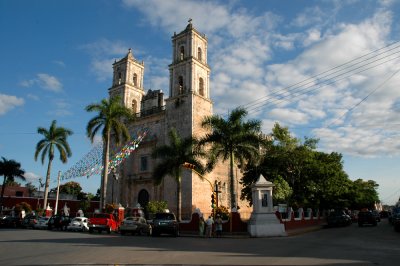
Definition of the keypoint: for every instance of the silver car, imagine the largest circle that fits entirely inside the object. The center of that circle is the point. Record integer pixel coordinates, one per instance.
(135, 225)
(42, 223)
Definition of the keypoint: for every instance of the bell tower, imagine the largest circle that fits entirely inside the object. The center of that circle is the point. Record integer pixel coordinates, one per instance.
(189, 91)
(128, 81)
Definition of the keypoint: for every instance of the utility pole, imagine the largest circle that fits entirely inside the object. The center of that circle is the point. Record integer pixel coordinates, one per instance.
(58, 191)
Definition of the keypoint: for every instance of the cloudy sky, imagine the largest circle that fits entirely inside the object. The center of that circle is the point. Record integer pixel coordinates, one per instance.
(326, 69)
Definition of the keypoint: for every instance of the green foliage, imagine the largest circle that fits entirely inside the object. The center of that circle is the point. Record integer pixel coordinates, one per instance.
(232, 139)
(54, 138)
(282, 190)
(23, 206)
(31, 188)
(172, 157)
(223, 212)
(110, 120)
(10, 170)
(71, 188)
(156, 206)
(306, 177)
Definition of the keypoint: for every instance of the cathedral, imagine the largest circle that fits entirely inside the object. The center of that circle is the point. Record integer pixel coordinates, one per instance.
(187, 104)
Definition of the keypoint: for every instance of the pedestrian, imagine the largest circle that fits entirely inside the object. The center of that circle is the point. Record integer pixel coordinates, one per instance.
(201, 226)
(218, 226)
(209, 224)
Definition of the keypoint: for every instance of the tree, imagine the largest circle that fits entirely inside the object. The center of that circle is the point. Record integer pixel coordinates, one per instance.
(232, 139)
(55, 138)
(31, 188)
(110, 118)
(10, 170)
(172, 157)
(364, 194)
(316, 179)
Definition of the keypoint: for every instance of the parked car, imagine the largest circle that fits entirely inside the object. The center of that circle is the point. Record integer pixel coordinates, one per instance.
(78, 224)
(377, 216)
(103, 222)
(10, 221)
(339, 218)
(385, 214)
(42, 223)
(135, 225)
(396, 221)
(366, 217)
(165, 223)
(29, 221)
(59, 222)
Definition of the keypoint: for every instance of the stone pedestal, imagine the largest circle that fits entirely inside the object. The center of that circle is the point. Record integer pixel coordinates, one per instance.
(263, 221)
(265, 224)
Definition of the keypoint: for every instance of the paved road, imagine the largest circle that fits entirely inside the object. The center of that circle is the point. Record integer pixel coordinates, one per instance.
(335, 246)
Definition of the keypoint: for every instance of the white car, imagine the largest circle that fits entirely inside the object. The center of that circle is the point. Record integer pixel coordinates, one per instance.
(78, 224)
(41, 223)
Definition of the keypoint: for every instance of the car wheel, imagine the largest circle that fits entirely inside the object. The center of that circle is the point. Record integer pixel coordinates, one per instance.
(90, 230)
(122, 232)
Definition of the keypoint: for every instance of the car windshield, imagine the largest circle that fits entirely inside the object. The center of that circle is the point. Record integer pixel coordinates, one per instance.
(165, 216)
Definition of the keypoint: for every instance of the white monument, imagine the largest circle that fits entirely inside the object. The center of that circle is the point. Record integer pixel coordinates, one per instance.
(263, 221)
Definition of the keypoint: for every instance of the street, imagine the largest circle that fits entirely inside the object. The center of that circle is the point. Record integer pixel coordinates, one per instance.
(351, 245)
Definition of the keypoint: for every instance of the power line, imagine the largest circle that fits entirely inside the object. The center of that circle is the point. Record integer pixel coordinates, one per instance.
(310, 79)
(325, 78)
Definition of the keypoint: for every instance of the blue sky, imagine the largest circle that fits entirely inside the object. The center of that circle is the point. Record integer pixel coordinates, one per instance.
(56, 58)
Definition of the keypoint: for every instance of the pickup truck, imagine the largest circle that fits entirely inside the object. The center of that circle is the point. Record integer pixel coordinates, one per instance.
(103, 222)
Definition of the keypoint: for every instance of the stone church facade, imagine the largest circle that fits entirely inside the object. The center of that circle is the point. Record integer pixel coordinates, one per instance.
(188, 103)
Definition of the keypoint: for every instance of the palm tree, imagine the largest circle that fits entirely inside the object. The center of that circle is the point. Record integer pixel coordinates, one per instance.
(10, 169)
(172, 157)
(53, 138)
(109, 118)
(232, 139)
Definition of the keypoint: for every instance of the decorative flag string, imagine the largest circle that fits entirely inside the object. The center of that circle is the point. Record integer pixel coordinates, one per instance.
(92, 162)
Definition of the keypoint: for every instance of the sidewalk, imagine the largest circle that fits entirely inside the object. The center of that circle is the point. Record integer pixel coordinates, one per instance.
(290, 232)
(304, 230)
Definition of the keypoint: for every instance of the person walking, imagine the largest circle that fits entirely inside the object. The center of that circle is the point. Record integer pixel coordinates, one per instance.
(209, 225)
(201, 226)
(218, 226)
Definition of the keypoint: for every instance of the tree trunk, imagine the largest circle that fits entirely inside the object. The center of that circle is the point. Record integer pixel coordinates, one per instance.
(232, 181)
(179, 197)
(2, 191)
(46, 187)
(104, 177)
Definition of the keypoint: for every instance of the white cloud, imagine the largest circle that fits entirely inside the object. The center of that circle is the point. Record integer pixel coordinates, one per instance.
(44, 81)
(244, 52)
(310, 16)
(159, 12)
(31, 177)
(9, 102)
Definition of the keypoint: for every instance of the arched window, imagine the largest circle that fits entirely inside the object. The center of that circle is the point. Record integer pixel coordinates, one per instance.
(135, 80)
(182, 53)
(134, 106)
(199, 53)
(180, 80)
(143, 198)
(119, 78)
(201, 86)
